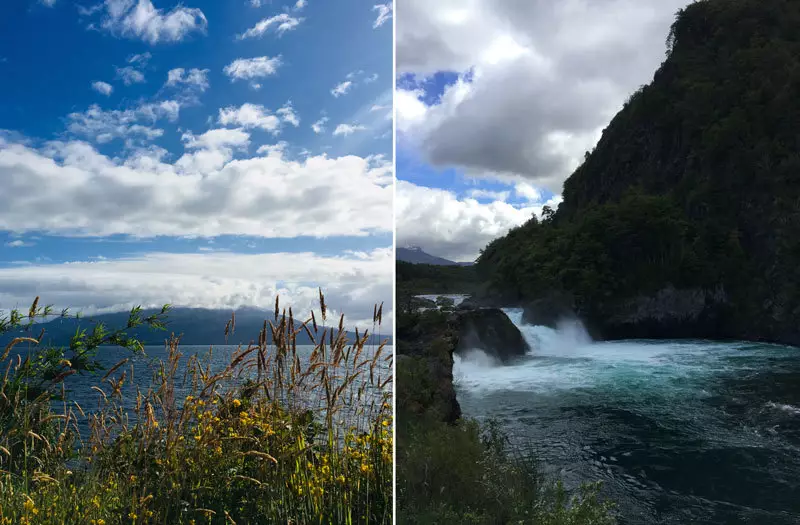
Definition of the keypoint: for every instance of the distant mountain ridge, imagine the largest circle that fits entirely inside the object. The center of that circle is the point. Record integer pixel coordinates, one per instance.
(415, 255)
(197, 326)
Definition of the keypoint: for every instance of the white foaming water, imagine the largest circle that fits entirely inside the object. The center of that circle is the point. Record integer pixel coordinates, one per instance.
(566, 358)
(568, 336)
(457, 298)
(785, 408)
(679, 431)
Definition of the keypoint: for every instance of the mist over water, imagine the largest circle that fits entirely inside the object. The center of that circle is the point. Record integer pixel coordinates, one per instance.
(680, 432)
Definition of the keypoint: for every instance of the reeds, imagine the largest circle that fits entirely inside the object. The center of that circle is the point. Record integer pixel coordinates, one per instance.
(279, 435)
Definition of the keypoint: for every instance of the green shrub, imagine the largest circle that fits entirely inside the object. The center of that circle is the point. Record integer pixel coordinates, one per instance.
(465, 473)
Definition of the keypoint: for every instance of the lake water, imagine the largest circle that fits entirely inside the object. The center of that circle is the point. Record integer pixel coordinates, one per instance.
(144, 366)
(680, 432)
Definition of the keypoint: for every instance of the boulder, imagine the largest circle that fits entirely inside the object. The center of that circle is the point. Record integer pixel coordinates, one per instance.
(491, 331)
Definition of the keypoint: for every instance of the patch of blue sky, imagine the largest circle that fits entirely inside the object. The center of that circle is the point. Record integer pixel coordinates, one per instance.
(15, 249)
(52, 56)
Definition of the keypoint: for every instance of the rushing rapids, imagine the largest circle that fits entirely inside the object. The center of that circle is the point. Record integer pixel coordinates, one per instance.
(679, 431)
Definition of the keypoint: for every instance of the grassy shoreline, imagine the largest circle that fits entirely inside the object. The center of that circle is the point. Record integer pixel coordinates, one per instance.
(254, 453)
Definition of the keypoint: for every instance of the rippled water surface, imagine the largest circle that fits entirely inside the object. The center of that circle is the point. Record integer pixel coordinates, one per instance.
(680, 432)
(140, 370)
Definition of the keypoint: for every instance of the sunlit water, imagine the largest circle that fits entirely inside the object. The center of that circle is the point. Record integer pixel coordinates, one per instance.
(680, 432)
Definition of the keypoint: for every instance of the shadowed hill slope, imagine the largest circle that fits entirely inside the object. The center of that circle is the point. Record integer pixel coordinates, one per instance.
(685, 219)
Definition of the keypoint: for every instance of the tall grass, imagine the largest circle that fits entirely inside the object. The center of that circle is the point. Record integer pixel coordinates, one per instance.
(274, 437)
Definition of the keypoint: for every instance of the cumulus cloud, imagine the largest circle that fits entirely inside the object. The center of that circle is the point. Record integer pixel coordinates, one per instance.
(18, 243)
(319, 126)
(281, 24)
(456, 228)
(217, 139)
(206, 192)
(347, 129)
(130, 75)
(103, 88)
(538, 80)
(140, 19)
(105, 125)
(250, 68)
(384, 14)
(193, 78)
(352, 282)
(251, 116)
(341, 88)
(287, 114)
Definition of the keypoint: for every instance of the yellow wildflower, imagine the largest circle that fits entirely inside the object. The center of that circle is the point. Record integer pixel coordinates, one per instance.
(30, 506)
(237, 403)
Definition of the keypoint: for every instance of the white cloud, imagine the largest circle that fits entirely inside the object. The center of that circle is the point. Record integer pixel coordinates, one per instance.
(129, 75)
(48, 3)
(347, 129)
(539, 80)
(281, 23)
(352, 283)
(300, 4)
(142, 20)
(141, 59)
(205, 192)
(341, 88)
(18, 244)
(351, 80)
(103, 88)
(288, 115)
(249, 116)
(193, 78)
(250, 68)
(384, 14)
(103, 126)
(257, 116)
(454, 228)
(319, 126)
(217, 139)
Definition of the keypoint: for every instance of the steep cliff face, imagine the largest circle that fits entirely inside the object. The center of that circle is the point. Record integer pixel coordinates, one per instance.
(685, 218)
(425, 345)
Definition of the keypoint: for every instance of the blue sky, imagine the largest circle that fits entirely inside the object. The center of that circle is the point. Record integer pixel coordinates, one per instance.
(497, 103)
(147, 143)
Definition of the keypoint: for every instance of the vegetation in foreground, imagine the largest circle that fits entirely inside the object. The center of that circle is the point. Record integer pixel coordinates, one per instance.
(459, 471)
(272, 438)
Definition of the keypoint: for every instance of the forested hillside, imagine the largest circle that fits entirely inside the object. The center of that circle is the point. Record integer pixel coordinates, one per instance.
(688, 209)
